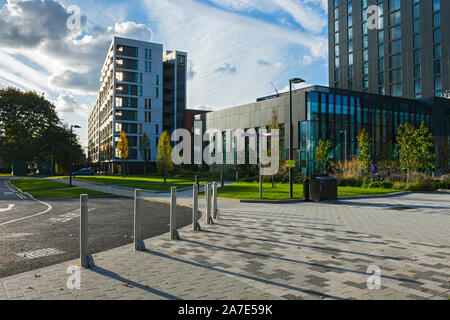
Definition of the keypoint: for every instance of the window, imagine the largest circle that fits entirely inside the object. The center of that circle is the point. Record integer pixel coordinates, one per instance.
(395, 47)
(437, 35)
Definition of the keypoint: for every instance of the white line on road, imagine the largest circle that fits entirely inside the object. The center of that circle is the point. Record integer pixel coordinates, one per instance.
(69, 216)
(14, 235)
(49, 208)
(10, 207)
(39, 253)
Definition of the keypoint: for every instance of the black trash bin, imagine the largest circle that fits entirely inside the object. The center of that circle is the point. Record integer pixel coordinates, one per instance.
(323, 187)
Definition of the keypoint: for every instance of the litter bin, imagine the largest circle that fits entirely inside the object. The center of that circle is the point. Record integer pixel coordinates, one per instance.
(323, 187)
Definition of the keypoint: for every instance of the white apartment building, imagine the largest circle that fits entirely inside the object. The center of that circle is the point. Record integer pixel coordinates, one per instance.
(142, 90)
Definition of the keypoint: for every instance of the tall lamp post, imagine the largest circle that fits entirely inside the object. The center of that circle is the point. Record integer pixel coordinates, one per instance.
(291, 144)
(70, 153)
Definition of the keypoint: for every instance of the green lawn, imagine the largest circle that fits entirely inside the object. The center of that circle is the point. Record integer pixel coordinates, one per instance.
(159, 186)
(5, 174)
(45, 188)
(132, 180)
(250, 191)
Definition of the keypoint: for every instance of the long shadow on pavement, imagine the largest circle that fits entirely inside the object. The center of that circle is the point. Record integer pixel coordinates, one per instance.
(240, 275)
(115, 276)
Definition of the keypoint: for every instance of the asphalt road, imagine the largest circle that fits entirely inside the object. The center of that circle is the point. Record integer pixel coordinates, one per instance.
(27, 226)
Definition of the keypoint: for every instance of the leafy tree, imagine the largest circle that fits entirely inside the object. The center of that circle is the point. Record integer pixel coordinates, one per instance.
(24, 119)
(164, 160)
(30, 128)
(427, 159)
(322, 155)
(122, 148)
(144, 149)
(415, 148)
(364, 144)
(408, 143)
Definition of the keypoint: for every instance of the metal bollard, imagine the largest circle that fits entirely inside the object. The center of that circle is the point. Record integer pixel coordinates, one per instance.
(215, 210)
(173, 215)
(86, 260)
(209, 219)
(138, 242)
(195, 224)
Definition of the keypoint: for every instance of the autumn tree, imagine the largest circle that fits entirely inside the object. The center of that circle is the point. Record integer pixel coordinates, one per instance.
(322, 155)
(144, 149)
(122, 148)
(364, 145)
(164, 160)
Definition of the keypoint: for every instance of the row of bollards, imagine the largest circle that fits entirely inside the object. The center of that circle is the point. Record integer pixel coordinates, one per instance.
(212, 213)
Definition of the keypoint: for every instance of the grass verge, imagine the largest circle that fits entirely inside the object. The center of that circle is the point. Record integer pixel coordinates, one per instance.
(132, 180)
(250, 191)
(47, 189)
(158, 186)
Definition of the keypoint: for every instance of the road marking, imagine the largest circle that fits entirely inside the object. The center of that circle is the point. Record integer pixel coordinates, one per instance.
(40, 253)
(10, 207)
(69, 216)
(8, 192)
(14, 235)
(49, 208)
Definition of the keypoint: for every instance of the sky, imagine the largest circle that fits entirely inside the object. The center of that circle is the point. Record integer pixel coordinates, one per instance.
(236, 48)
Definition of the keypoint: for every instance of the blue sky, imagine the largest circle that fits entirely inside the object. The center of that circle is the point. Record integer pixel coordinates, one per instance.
(236, 48)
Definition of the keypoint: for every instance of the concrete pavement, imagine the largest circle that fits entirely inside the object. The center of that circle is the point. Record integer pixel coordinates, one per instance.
(263, 251)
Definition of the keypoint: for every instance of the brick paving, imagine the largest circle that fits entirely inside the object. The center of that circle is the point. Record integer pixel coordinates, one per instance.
(262, 251)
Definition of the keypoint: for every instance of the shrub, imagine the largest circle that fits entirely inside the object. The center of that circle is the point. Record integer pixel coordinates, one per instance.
(444, 182)
(381, 184)
(350, 182)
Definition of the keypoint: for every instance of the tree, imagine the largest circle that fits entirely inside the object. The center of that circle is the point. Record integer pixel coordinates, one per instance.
(122, 148)
(364, 144)
(164, 160)
(144, 149)
(24, 119)
(30, 128)
(415, 148)
(322, 155)
(427, 159)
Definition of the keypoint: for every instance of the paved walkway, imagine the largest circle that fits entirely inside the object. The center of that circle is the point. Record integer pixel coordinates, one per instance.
(263, 251)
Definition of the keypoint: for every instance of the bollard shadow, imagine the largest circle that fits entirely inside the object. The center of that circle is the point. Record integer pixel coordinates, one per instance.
(262, 255)
(241, 275)
(115, 276)
(300, 234)
(302, 245)
(386, 206)
(261, 221)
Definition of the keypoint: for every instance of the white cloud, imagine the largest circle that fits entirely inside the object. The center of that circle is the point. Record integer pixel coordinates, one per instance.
(213, 38)
(66, 103)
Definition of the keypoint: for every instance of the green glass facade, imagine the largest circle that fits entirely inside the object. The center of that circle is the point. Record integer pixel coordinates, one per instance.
(340, 118)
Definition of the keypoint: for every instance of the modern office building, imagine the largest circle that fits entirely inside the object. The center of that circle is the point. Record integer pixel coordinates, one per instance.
(405, 52)
(336, 115)
(143, 90)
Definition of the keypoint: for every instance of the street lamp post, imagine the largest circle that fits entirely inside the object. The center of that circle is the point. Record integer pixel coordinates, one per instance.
(70, 153)
(291, 144)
